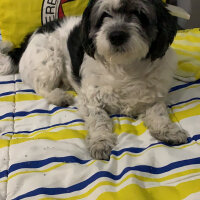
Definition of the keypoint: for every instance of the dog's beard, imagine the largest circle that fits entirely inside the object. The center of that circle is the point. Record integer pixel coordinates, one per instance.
(134, 49)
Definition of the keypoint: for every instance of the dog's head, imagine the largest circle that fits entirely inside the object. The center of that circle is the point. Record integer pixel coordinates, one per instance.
(122, 30)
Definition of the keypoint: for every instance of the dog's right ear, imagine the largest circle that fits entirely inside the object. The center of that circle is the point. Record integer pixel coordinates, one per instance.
(87, 42)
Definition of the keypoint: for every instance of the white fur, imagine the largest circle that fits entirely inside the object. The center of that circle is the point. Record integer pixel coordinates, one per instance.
(111, 83)
(5, 61)
(135, 89)
(43, 64)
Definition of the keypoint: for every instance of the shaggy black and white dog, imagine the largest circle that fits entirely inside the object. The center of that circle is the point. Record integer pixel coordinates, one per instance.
(116, 57)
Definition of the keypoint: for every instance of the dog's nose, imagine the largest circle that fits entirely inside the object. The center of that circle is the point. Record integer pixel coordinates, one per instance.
(118, 38)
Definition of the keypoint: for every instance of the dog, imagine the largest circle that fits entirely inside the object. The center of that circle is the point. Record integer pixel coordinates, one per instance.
(116, 56)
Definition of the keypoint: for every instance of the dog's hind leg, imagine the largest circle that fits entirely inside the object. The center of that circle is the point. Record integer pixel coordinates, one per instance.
(48, 86)
(41, 67)
(56, 96)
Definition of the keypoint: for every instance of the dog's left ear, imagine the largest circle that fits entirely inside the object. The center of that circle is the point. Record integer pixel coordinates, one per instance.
(87, 42)
(167, 28)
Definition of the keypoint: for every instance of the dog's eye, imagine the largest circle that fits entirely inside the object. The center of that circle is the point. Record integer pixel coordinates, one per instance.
(141, 16)
(103, 16)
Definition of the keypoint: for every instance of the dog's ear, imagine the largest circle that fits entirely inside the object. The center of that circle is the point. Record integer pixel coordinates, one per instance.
(166, 27)
(87, 42)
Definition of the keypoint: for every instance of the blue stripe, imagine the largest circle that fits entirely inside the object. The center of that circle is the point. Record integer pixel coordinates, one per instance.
(44, 111)
(41, 163)
(181, 102)
(72, 159)
(10, 82)
(18, 91)
(6, 94)
(178, 87)
(61, 124)
(101, 174)
(7, 115)
(36, 111)
(4, 174)
(28, 90)
(140, 150)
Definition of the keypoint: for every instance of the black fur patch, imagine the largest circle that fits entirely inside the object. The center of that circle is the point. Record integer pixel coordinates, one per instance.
(76, 51)
(87, 42)
(166, 30)
(50, 26)
(100, 21)
(16, 53)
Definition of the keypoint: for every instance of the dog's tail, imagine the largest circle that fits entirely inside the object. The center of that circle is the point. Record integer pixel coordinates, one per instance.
(10, 57)
(6, 63)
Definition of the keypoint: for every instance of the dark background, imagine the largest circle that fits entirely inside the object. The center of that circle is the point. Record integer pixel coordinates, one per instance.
(193, 8)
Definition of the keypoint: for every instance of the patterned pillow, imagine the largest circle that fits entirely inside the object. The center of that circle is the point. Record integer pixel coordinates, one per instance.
(17, 18)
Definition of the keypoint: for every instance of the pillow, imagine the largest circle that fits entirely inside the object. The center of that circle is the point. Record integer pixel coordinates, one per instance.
(17, 18)
(187, 46)
(20, 17)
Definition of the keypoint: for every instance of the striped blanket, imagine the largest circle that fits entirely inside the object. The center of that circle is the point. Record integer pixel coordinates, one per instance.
(43, 154)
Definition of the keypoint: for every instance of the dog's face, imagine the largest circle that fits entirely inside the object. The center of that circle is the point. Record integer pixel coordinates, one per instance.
(127, 30)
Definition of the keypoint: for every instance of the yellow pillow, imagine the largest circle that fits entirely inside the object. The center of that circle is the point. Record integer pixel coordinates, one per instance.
(19, 17)
(187, 46)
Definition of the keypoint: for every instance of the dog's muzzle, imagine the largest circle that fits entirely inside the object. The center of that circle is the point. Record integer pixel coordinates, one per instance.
(118, 38)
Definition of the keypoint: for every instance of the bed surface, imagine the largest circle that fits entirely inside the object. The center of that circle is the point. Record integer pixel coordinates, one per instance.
(43, 154)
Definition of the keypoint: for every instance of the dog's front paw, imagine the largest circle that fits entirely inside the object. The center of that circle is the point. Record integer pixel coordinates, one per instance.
(100, 148)
(171, 134)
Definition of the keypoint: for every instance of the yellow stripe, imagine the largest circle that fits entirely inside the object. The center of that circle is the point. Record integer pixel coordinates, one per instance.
(185, 104)
(178, 116)
(27, 97)
(145, 193)
(118, 129)
(39, 114)
(188, 38)
(44, 114)
(4, 143)
(186, 47)
(190, 33)
(35, 171)
(10, 98)
(64, 110)
(49, 130)
(186, 53)
(59, 135)
(189, 68)
(67, 134)
(192, 86)
(129, 128)
(21, 97)
(133, 191)
(124, 118)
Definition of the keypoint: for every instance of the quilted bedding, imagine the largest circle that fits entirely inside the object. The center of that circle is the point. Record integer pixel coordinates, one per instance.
(43, 154)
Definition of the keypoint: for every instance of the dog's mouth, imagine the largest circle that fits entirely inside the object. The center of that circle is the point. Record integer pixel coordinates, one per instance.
(119, 50)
